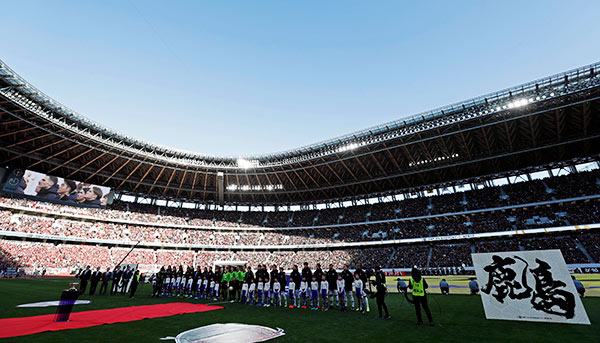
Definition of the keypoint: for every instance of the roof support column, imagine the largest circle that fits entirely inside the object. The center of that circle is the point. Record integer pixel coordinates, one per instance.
(220, 190)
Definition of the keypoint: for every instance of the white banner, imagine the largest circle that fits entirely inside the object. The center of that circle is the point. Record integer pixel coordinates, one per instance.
(528, 285)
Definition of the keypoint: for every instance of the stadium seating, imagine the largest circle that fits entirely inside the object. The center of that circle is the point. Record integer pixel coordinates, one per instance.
(492, 209)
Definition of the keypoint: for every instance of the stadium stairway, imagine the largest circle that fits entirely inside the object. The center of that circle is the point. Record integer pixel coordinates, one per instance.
(429, 256)
(584, 251)
(389, 261)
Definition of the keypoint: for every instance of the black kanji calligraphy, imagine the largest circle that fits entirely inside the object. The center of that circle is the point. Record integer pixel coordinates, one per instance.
(503, 282)
(549, 295)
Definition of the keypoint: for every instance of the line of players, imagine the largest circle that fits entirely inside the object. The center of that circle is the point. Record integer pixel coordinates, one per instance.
(317, 290)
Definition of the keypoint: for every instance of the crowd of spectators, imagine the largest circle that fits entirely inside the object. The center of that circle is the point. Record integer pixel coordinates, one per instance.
(560, 187)
(567, 245)
(560, 214)
(437, 257)
(591, 242)
(451, 255)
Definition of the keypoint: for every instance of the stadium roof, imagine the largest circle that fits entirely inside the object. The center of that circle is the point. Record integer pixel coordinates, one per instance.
(549, 120)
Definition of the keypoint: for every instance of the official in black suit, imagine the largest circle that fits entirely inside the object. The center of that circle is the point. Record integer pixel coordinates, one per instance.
(295, 276)
(126, 277)
(106, 277)
(84, 277)
(249, 277)
(115, 280)
(318, 274)
(282, 278)
(96, 276)
(306, 272)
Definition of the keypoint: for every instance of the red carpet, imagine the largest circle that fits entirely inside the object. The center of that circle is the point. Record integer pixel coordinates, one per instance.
(11, 327)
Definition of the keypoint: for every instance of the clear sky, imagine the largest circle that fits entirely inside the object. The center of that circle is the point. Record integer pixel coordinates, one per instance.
(251, 77)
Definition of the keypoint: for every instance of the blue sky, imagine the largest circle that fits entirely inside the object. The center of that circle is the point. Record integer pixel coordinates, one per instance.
(251, 77)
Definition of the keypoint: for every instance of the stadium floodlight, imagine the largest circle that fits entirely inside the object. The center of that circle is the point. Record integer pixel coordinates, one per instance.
(350, 146)
(519, 103)
(246, 164)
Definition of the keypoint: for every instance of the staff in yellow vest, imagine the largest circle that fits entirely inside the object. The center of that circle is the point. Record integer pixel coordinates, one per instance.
(418, 285)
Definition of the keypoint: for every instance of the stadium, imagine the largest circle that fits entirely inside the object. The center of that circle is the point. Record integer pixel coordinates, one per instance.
(514, 170)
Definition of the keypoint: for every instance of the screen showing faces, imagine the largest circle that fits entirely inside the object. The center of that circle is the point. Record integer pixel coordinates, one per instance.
(56, 189)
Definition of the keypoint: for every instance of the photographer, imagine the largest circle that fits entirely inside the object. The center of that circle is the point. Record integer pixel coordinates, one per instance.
(381, 290)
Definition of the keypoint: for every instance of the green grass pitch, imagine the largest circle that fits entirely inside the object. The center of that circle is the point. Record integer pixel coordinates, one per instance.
(459, 318)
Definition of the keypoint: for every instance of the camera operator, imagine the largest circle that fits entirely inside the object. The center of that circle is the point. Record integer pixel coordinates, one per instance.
(381, 290)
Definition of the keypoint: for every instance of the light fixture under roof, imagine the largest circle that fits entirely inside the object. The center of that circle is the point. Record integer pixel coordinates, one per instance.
(247, 164)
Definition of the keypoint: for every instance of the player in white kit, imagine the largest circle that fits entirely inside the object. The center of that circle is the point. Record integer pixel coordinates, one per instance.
(251, 293)
(267, 293)
(216, 291)
(244, 292)
(166, 285)
(260, 286)
(303, 291)
(360, 295)
(177, 285)
(276, 293)
(204, 288)
(188, 288)
(292, 293)
(341, 290)
(324, 291)
(314, 294)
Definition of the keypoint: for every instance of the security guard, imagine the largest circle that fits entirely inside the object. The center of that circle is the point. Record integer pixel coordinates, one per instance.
(418, 285)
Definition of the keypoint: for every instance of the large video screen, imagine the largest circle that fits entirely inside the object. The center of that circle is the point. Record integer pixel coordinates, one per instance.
(56, 189)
